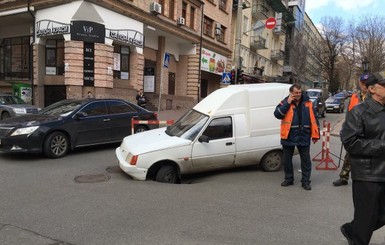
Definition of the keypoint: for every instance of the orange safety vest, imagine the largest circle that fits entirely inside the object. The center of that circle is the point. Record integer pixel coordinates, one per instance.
(288, 119)
(354, 100)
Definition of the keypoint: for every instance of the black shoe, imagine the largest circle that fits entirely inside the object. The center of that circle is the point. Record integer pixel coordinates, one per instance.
(340, 182)
(306, 186)
(286, 183)
(346, 230)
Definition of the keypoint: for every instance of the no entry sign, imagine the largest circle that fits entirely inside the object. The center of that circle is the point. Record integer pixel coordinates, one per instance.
(270, 23)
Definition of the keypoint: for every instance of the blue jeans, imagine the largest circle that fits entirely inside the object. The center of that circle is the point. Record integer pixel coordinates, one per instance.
(304, 152)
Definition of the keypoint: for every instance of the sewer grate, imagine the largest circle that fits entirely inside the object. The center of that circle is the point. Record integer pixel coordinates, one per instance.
(92, 178)
(114, 170)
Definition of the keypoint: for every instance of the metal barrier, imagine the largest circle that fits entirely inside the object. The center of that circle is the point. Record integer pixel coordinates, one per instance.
(149, 122)
(325, 157)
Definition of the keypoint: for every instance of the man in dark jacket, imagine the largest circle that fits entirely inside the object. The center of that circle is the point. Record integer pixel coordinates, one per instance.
(363, 136)
(298, 126)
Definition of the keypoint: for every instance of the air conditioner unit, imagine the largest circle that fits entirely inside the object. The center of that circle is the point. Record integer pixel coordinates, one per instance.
(155, 8)
(181, 21)
(218, 26)
(218, 31)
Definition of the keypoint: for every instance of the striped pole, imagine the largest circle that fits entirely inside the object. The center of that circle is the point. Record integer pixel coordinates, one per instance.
(148, 122)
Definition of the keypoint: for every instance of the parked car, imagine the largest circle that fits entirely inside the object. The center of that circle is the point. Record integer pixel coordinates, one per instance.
(232, 127)
(12, 106)
(68, 124)
(335, 104)
(341, 95)
(318, 107)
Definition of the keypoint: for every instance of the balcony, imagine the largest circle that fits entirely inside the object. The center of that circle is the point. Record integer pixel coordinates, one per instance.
(260, 11)
(257, 42)
(277, 55)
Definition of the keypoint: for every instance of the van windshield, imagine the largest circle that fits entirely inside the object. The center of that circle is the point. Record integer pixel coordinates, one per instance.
(188, 126)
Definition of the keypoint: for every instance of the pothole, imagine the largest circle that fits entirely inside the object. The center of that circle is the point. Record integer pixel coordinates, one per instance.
(114, 170)
(92, 178)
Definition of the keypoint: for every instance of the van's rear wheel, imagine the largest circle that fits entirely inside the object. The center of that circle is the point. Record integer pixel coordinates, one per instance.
(167, 174)
(272, 161)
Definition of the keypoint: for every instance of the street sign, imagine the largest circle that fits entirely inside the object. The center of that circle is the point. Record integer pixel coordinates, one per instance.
(226, 77)
(166, 60)
(270, 23)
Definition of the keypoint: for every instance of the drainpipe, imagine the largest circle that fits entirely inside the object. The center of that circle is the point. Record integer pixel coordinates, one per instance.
(200, 54)
(32, 42)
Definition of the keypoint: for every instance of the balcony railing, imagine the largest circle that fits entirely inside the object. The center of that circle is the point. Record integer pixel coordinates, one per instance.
(258, 42)
(277, 55)
(260, 11)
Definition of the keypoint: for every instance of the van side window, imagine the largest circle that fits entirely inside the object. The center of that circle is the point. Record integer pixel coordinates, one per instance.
(219, 128)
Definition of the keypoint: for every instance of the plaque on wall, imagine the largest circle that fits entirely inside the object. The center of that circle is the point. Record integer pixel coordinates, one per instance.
(89, 64)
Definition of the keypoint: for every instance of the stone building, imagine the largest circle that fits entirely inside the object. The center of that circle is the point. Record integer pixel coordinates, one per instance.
(176, 51)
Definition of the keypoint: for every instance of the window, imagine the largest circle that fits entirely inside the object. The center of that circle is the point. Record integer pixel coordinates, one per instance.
(208, 26)
(221, 37)
(121, 62)
(192, 17)
(245, 24)
(54, 57)
(219, 128)
(223, 5)
(95, 109)
(171, 9)
(184, 10)
(118, 107)
(14, 58)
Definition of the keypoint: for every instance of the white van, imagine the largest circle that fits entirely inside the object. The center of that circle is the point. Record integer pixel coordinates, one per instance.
(232, 127)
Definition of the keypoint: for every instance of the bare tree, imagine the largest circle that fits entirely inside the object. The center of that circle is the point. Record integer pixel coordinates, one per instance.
(332, 30)
(370, 39)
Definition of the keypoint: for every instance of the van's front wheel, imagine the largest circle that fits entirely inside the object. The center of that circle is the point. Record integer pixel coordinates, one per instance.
(167, 174)
(272, 161)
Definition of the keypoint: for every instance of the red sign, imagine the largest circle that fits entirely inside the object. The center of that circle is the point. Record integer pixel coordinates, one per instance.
(270, 23)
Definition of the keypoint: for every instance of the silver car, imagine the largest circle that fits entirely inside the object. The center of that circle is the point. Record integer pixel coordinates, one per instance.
(11, 106)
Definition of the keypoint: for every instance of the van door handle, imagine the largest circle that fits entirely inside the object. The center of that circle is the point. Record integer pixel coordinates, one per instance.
(229, 143)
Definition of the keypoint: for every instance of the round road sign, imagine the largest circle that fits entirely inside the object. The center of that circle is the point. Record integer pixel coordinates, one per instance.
(270, 23)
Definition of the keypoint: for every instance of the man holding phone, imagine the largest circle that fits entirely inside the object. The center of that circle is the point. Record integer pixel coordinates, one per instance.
(298, 126)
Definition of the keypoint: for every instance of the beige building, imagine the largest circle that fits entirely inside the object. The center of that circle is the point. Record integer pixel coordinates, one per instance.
(175, 50)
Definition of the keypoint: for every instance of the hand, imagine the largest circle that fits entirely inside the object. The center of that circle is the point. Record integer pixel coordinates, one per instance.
(315, 140)
(290, 98)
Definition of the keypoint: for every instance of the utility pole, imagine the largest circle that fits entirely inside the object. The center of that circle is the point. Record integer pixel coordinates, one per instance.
(238, 36)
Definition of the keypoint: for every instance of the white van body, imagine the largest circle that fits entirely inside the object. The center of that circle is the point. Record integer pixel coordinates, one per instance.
(245, 114)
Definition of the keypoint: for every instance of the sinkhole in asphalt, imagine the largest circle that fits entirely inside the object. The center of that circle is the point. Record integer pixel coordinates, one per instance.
(92, 178)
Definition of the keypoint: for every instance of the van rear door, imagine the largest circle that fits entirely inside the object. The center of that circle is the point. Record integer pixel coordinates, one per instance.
(219, 152)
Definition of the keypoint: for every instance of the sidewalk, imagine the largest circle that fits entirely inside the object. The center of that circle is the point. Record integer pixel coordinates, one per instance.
(171, 114)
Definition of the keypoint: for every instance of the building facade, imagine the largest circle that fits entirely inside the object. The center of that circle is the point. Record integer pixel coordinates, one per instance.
(176, 51)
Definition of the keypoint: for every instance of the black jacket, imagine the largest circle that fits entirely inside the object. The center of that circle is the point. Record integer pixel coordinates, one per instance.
(363, 135)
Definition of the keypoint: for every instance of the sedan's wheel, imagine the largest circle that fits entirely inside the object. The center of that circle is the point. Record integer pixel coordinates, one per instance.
(140, 128)
(56, 145)
(167, 174)
(5, 115)
(272, 161)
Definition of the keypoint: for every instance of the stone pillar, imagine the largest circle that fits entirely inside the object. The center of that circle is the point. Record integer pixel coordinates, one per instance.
(193, 75)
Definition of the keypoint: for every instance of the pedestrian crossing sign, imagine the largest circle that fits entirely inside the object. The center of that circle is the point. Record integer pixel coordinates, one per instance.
(226, 77)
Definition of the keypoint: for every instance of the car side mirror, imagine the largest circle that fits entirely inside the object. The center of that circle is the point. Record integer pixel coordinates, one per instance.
(80, 115)
(203, 138)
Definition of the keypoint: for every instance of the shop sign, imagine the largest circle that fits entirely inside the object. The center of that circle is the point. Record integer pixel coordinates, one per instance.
(87, 31)
(50, 27)
(131, 37)
(213, 62)
(89, 64)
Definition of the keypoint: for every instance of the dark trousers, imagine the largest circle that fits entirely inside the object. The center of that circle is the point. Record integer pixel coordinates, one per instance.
(345, 170)
(369, 210)
(304, 152)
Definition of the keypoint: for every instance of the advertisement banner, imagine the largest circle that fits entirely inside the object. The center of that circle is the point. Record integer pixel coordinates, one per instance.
(213, 62)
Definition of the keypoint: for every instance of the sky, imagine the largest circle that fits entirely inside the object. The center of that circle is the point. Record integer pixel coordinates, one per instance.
(346, 9)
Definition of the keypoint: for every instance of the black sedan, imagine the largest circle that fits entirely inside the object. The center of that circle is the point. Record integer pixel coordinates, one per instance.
(69, 124)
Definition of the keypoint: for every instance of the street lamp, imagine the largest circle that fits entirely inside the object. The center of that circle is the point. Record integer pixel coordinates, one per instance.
(365, 64)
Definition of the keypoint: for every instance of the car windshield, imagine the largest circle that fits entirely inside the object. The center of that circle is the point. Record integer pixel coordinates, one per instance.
(10, 100)
(188, 126)
(313, 93)
(333, 101)
(339, 95)
(61, 108)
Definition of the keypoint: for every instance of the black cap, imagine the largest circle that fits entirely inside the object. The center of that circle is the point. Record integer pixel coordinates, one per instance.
(377, 77)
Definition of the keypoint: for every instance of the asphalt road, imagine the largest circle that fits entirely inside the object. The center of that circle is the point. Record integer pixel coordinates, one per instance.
(41, 203)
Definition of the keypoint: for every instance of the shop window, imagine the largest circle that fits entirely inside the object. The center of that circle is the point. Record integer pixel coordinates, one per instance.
(54, 57)
(208, 26)
(14, 58)
(121, 62)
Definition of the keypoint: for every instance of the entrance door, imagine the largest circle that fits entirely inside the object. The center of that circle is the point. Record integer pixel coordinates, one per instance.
(54, 93)
(171, 83)
(204, 88)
